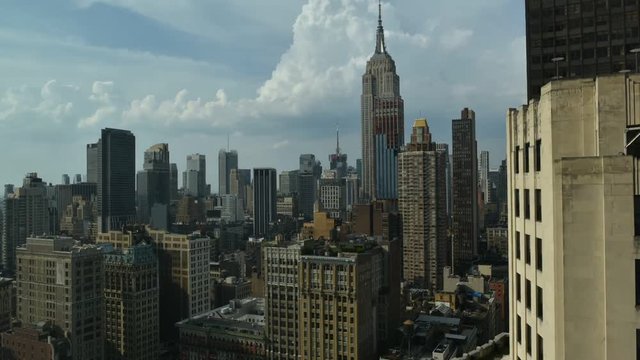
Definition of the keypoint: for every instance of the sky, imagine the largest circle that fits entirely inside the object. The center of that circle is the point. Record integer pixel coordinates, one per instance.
(274, 78)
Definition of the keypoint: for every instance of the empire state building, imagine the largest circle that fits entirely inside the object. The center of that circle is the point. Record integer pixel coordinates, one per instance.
(382, 123)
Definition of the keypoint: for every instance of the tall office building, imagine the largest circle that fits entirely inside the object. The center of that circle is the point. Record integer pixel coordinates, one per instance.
(194, 178)
(26, 212)
(154, 190)
(332, 195)
(338, 296)
(131, 298)
(62, 282)
(307, 163)
(77, 179)
(382, 123)
(240, 185)
(66, 180)
(585, 37)
(289, 182)
(227, 160)
(465, 189)
(183, 273)
(445, 148)
(307, 191)
(116, 179)
(92, 163)
(173, 181)
(483, 175)
(265, 199)
(338, 161)
(423, 209)
(573, 221)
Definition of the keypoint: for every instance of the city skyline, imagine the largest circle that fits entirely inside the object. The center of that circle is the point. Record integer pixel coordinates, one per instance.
(53, 111)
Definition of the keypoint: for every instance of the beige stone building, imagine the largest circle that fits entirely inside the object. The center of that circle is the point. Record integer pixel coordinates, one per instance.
(422, 203)
(62, 282)
(7, 292)
(573, 176)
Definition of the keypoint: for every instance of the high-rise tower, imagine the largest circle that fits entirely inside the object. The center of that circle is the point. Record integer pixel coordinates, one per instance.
(227, 160)
(382, 122)
(154, 187)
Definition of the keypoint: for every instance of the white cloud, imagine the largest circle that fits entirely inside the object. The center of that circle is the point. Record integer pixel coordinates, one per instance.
(455, 38)
(281, 144)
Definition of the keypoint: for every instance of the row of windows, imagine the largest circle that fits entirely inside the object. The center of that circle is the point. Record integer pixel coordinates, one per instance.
(526, 157)
(527, 203)
(527, 250)
(528, 339)
(527, 296)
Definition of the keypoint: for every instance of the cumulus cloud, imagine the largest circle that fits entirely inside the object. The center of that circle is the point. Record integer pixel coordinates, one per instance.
(52, 101)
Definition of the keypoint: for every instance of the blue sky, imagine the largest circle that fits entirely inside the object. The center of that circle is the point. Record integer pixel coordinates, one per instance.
(276, 76)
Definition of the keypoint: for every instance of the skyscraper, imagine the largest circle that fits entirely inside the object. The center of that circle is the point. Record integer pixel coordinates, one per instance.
(445, 148)
(573, 218)
(264, 200)
(26, 212)
(423, 209)
(483, 175)
(310, 172)
(116, 179)
(67, 291)
(173, 181)
(240, 184)
(227, 160)
(154, 187)
(66, 180)
(584, 37)
(289, 182)
(92, 163)
(131, 303)
(382, 123)
(332, 195)
(338, 161)
(194, 178)
(465, 189)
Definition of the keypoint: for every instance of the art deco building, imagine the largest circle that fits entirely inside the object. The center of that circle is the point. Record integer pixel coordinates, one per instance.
(227, 160)
(382, 119)
(131, 303)
(585, 37)
(154, 191)
(62, 282)
(465, 189)
(116, 179)
(423, 209)
(573, 230)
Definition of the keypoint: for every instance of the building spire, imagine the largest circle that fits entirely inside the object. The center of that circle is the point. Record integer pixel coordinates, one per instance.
(380, 46)
(337, 139)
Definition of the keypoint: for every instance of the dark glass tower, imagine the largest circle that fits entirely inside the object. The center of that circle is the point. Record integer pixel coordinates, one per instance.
(382, 110)
(116, 179)
(227, 160)
(592, 37)
(465, 189)
(264, 200)
(154, 187)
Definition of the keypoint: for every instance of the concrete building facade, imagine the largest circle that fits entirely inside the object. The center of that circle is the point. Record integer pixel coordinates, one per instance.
(573, 180)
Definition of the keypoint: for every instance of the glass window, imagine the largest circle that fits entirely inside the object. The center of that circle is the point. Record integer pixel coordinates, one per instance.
(539, 254)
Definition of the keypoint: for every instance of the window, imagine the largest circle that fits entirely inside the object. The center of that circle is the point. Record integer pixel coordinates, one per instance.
(517, 202)
(527, 210)
(538, 204)
(539, 302)
(526, 158)
(527, 249)
(539, 254)
(516, 160)
(538, 160)
(518, 287)
(528, 340)
(518, 245)
(519, 330)
(527, 294)
(540, 348)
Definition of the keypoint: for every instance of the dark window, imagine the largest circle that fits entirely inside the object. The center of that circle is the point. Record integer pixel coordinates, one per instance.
(637, 282)
(516, 159)
(517, 202)
(539, 302)
(540, 348)
(518, 245)
(538, 160)
(538, 203)
(527, 204)
(519, 330)
(539, 254)
(528, 340)
(527, 294)
(527, 249)
(518, 290)
(526, 158)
